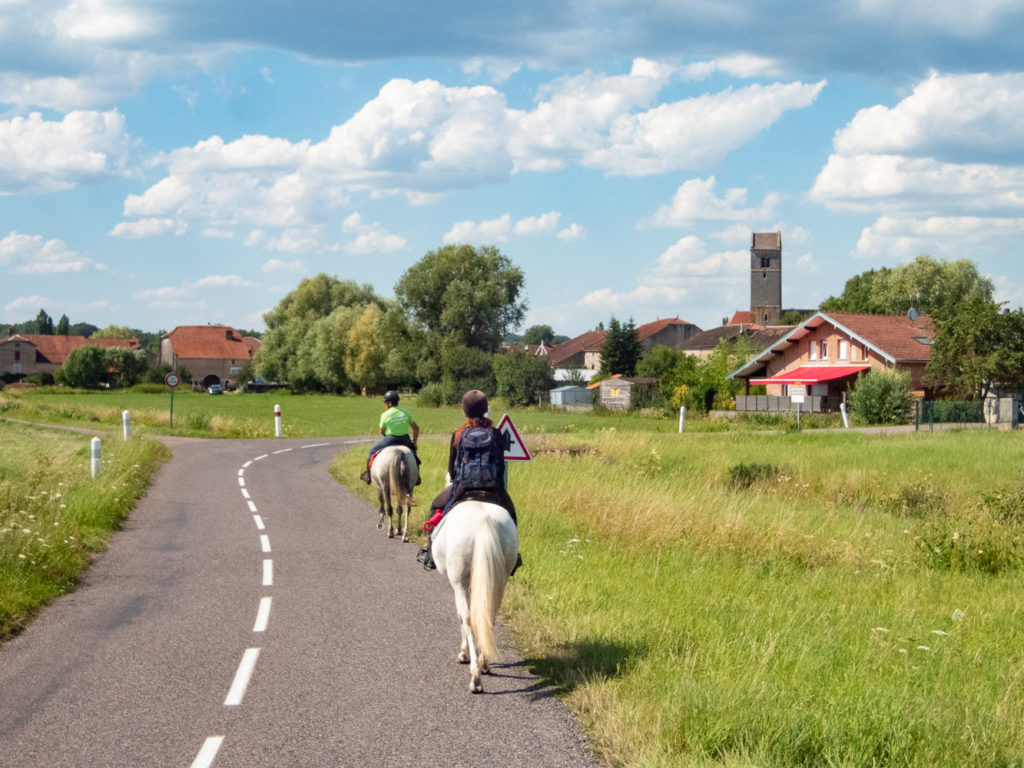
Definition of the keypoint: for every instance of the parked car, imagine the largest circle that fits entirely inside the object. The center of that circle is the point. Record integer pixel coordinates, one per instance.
(216, 389)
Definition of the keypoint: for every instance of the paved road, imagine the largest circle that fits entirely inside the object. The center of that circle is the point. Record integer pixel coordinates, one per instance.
(251, 614)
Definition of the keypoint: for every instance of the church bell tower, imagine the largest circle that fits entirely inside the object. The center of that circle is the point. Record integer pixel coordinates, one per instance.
(766, 277)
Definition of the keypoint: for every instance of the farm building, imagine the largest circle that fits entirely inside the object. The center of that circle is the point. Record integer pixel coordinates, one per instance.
(571, 394)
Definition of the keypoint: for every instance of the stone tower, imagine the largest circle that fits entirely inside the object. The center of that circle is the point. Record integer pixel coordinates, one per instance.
(766, 277)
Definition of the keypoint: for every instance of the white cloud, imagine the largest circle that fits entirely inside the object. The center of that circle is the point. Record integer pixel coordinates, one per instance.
(38, 155)
(501, 229)
(279, 265)
(167, 297)
(572, 233)
(370, 238)
(695, 201)
(744, 65)
(695, 133)
(685, 279)
(32, 255)
(27, 303)
(293, 241)
(219, 281)
(148, 228)
(904, 237)
(949, 17)
(947, 148)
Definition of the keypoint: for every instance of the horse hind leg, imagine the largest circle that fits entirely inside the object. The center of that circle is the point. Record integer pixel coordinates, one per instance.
(404, 519)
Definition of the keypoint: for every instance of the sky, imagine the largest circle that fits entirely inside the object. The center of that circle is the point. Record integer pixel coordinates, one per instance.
(186, 162)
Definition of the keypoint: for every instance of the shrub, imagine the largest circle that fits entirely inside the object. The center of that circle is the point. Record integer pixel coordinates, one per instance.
(431, 395)
(882, 397)
(746, 474)
(989, 539)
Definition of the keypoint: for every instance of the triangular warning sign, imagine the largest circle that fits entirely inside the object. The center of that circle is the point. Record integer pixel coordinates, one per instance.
(516, 448)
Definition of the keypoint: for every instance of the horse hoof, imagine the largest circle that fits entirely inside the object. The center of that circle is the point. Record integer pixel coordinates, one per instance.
(476, 686)
(380, 526)
(462, 658)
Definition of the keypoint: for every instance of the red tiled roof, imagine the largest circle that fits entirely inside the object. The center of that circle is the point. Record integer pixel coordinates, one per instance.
(55, 349)
(589, 341)
(766, 241)
(742, 318)
(208, 342)
(893, 334)
(649, 329)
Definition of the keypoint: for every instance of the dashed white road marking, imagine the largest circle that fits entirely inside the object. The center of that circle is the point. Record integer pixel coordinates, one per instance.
(265, 542)
(245, 493)
(246, 464)
(252, 505)
(316, 445)
(268, 573)
(209, 751)
(283, 450)
(241, 481)
(242, 677)
(262, 615)
(259, 458)
(259, 522)
(241, 471)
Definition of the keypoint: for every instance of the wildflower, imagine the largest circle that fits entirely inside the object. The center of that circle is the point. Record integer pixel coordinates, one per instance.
(63, 506)
(956, 536)
(879, 629)
(923, 648)
(903, 650)
(21, 556)
(25, 530)
(939, 632)
(958, 615)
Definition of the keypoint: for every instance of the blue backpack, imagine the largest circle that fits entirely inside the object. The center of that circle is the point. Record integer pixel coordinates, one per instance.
(478, 459)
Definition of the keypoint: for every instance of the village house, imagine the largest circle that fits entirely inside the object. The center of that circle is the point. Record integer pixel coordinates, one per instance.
(213, 354)
(24, 354)
(584, 351)
(823, 355)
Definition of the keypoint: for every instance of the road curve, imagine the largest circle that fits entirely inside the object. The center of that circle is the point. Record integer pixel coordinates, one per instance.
(251, 614)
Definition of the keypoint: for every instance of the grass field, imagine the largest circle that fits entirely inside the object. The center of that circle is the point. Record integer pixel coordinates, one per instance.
(717, 598)
(695, 612)
(54, 516)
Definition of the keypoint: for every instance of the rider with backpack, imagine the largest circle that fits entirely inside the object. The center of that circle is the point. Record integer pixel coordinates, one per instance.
(476, 467)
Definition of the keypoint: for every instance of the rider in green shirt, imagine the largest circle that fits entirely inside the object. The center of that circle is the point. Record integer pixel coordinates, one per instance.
(395, 425)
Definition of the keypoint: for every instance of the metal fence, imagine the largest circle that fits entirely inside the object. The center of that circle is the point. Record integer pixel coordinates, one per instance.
(930, 412)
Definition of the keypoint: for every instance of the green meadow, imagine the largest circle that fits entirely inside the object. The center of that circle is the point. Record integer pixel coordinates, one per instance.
(738, 595)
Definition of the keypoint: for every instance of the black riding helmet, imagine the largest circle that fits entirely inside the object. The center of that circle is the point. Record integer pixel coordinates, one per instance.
(391, 397)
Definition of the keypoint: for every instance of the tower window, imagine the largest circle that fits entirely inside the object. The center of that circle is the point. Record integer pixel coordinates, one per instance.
(766, 262)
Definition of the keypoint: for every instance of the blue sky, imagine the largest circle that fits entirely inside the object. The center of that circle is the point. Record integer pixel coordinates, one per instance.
(181, 162)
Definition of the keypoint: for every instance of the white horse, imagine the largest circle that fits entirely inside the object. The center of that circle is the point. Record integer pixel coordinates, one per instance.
(476, 547)
(394, 473)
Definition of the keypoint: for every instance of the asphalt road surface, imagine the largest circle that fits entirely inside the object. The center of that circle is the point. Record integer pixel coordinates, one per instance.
(251, 614)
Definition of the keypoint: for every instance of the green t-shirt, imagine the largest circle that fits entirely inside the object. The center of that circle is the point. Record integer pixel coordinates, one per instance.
(396, 421)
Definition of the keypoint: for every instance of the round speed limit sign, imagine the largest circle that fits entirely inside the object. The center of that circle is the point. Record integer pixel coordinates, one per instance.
(172, 380)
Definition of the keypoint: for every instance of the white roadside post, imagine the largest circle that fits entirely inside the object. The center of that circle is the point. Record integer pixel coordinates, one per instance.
(277, 421)
(94, 452)
(682, 418)
(126, 424)
(846, 416)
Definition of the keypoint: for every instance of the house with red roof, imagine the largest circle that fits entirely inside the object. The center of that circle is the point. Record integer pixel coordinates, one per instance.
(584, 351)
(824, 354)
(22, 354)
(213, 354)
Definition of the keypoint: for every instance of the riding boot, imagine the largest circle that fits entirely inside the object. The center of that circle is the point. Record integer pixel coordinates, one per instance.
(426, 558)
(365, 476)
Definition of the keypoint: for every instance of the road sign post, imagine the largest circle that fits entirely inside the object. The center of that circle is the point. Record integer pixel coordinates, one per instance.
(515, 448)
(172, 380)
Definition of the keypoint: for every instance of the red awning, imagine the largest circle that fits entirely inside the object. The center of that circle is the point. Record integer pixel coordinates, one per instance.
(813, 374)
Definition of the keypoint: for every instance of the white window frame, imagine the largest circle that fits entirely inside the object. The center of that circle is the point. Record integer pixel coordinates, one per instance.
(844, 349)
(814, 350)
(824, 350)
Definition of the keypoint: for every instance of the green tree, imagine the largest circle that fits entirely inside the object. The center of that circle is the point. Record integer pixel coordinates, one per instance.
(82, 329)
(304, 343)
(882, 397)
(463, 295)
(84, 367)
(536, 334)
(116, 332)
(521, 378)
(129, 365)
(63, 326)
(622, 349)
(931, 286)
(44, 323)
(365, 351)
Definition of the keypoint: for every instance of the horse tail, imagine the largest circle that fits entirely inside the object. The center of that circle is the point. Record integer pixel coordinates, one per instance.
(486, 588)
(404, 481)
